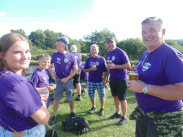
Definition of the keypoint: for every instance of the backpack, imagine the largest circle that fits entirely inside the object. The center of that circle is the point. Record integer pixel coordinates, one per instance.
(77, 124)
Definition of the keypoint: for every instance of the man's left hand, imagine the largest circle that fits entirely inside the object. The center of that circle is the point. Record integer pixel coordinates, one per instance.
(111, 66)
(64, 80)
(136, 86)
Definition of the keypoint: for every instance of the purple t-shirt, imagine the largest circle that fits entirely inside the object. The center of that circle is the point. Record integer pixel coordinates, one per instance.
(41, 79)
(84, 75)
(163, 66)
(63, 63)
(96, 76)
(118, 57)
(78, 58)
(18, 101)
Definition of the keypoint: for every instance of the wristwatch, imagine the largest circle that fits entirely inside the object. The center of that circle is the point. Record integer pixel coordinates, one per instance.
(145, 89)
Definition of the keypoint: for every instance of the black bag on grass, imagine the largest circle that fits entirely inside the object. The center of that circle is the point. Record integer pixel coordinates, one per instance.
(77, 124)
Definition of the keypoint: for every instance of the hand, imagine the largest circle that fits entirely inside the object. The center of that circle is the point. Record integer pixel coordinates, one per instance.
(107, 82)
(53, 76)
(136, 86)
(51, 87)
(93, 68)
(64, 80)
(104, 82)
(111, 66)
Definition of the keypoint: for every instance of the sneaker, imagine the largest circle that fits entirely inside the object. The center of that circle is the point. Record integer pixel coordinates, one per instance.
(72, 114)
(115, 115)
(101, 112)
(92, 109)
(123, 121)
(53, 120)
(79, 98)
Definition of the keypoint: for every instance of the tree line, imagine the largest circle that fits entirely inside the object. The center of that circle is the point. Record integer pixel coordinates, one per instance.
(45, 42)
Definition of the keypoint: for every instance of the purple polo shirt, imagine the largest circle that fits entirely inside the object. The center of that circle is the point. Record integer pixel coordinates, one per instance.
(63, 63)
(41, 79)
(18, 101)
(96, 76)
(78, 58)
(163, 66)
(118, 57)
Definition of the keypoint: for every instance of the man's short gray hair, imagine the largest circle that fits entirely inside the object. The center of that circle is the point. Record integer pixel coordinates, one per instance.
(159, 21)
(93, 46)
(73, 48)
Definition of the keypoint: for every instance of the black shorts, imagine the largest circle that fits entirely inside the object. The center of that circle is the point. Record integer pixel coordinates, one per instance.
(118, 88)
(76, 79)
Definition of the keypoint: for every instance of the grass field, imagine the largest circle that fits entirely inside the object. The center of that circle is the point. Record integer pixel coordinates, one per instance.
(99, 126)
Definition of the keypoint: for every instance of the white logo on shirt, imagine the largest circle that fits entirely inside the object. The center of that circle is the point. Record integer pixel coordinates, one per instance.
(97, 63)
(113, 58)
(59, 60)
(65, 60)
(76, 57)
(146, 66)
(108, 58)
(45, 80)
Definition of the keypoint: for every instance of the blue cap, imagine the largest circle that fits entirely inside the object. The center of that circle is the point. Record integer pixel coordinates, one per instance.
(110, 39)
(61, 39)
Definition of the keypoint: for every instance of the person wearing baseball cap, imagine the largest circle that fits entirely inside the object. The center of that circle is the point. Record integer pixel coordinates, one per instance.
(118, 63)
(65, 69)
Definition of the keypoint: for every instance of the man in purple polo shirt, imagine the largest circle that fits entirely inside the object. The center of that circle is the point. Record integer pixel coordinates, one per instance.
(76, 78)
(65, 68)
(118, 63)
(159, 90)
(97, 67)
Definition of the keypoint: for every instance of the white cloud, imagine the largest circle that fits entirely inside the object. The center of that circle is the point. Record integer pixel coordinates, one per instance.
(3, 13)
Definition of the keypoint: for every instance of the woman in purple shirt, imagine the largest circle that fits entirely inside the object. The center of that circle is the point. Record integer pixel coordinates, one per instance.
(22, 112)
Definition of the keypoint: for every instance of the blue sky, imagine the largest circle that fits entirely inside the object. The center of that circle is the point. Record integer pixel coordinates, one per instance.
(77, 18)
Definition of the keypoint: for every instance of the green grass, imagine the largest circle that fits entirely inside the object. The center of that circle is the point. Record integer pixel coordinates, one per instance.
(99, 126)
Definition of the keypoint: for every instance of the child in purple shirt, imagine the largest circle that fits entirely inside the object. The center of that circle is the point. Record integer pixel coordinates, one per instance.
(40, 78)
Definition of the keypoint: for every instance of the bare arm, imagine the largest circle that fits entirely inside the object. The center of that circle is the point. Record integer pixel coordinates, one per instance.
(166, 92)
(53, 74)
(114, 66)
(42, 116)
(50, 88)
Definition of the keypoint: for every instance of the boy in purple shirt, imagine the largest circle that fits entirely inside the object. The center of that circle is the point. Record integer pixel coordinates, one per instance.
(65, 68)
(76, 78)
(21, 109)
(97, 67)
(159, 90)
(40, 78)
(118, 63)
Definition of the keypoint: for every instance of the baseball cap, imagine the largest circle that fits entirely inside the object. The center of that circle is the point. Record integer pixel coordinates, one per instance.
(110, 39)
(65, 40)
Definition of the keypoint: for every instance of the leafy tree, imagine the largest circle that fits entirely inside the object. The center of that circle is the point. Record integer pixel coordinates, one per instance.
(98, 38)
(51, 38)
(174, 44)
(38, 39)
(133, 47)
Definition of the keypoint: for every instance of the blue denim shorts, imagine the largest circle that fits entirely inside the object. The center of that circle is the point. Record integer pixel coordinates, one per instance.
(100, 88)
(37, 131)
(68, 87)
